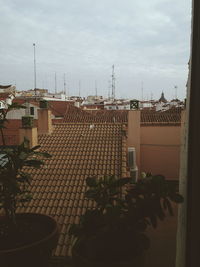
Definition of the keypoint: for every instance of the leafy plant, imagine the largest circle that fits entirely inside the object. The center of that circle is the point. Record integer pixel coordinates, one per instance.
(114, 228)
(14, 176)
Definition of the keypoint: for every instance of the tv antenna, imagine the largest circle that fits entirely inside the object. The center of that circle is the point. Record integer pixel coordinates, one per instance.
(142, 90)
(34, 62)
(79, 88)
(175, 88)
(55, 84)
(96, 89)
(113, 82)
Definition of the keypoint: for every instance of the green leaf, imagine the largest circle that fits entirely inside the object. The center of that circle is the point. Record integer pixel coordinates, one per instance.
(42, 154)
(91, 181)
(33, 163)
(92, 194)
(23, 155)
(35, 148)
(122, 181)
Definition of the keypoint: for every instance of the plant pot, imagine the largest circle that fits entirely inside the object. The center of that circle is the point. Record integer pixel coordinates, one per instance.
(79, 260)
(35, 246)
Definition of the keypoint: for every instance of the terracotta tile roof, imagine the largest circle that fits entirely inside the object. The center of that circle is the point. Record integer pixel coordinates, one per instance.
(111, 115)
(93, 106)
(74, 114)
(59, 108)
(168, 117)
(78, 151)
(21, 101)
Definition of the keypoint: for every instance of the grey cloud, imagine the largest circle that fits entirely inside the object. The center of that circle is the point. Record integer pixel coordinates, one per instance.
(146, 40)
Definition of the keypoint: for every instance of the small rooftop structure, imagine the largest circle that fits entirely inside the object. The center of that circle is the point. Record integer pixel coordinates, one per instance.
(162, 98)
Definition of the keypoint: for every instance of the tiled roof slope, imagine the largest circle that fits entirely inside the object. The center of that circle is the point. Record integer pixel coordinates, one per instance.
(58, 108)
(78, 151)
(22, 101)
(74, 114)
(172, 117)
(110, 115)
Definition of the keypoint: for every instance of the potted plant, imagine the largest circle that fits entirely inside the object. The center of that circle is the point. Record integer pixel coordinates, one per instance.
(112, 232)
(26, 239)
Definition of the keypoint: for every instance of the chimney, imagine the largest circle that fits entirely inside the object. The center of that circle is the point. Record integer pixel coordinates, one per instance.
(28, 131)
(44, 119)
(133, 139)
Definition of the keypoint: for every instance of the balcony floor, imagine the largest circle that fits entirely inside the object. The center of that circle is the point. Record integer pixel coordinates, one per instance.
(162, 252)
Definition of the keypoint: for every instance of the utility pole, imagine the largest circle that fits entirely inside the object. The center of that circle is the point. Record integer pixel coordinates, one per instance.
(109, 86)
(96, 88)
(113, 82)
(142, 90)
(79, 88)
(65, 89)
(175, 87)
(34, 62)
(55, 84)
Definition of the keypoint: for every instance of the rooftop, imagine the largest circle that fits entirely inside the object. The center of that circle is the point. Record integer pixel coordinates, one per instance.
(168, 117)
(78, 150)
(74, 114)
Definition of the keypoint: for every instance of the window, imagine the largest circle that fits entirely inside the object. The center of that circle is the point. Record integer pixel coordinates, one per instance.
(32, 111)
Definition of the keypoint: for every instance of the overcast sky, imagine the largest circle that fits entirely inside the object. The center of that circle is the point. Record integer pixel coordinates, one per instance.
(148, 41)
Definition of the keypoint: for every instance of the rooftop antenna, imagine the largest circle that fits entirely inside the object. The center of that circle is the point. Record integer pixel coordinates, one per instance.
(68, 97)
(109, 86)
(34, 62)
(65, 90)
(142, 90)
(113, 82)
(79, 88)
(45, 82)
(96, 88)
(176, 88)
(55, 84)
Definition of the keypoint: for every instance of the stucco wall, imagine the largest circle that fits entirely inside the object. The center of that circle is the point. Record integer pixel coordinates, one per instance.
(133, 138)
(160, 150)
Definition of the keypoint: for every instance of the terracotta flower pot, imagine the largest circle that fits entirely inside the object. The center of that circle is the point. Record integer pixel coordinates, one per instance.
(38, 238)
